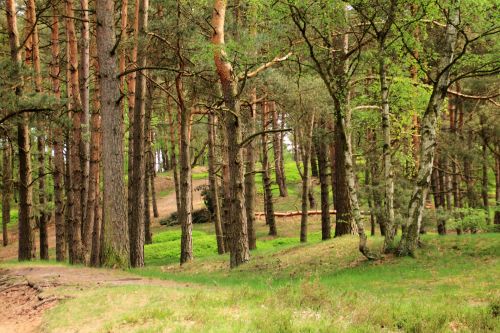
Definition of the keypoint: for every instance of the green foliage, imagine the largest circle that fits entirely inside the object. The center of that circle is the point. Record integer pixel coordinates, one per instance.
(468, 219)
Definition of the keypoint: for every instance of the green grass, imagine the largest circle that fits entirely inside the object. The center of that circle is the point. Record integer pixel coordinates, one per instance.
(451, 286)
(14, 218)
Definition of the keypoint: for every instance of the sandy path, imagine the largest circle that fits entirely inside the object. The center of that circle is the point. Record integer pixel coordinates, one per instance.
(27, 292)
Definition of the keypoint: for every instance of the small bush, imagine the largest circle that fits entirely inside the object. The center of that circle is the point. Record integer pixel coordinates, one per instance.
(199, 216)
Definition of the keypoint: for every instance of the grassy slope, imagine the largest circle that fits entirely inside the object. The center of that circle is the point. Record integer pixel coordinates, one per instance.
(287, 287)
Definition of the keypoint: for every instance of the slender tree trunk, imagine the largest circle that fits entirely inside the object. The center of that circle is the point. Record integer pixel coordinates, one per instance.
(84, 77)
(173, 157)
(148, 237)
(114, 245)
(390, 229)
(214, 187)
(278, 153)
(410, 238)
(266, 179)
(497, 189)
(306, 145)
(33, 51)
(6, 189)
(58, 143)
(137, 222)
(42, 219)
(89, 227)
(484, 187)
(156, 214)
(75, 106)
(314, 163)
(282, 149)
(320, 144)
(343, 218)
(185, 212)
(27, 249)
(250, 172)
(93, 232)
(131, 86)
(239, 251)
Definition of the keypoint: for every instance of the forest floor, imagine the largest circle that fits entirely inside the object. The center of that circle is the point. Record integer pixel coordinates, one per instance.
(322, 286)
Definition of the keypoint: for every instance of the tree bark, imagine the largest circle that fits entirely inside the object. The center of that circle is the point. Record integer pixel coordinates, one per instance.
(84, 77)
(306, 145)
(137, 222)
(390, 229)
(89, 227)
(27, 249)
(278, 154)
(58, 143)
(173, 157)
(314, 163)
(250, 172)
(266, 179)
(114, 250)
(213, 185)
(131, 86)
(185, 213)
(343, 219)
(497, 189)
(76, 150)
(148, 237)
(410, 238)
(238, 238)
(6, 189)
(93, 240)
(43, 217)
(320, 143)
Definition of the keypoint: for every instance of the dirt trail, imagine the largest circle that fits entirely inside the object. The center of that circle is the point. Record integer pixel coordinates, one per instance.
(27, 292)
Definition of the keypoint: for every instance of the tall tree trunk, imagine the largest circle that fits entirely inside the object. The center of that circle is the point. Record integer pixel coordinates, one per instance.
(33, 51)
(238, 238)
(89, 228)
(278, 153)
(410, 238)
(173, 157)
(43, 218)
(314, 163)
(27, 249)
(484, 180)
(497, 189)
(137, 222)
(76, 150)
(250, 172)
(156, 214)
(95, 174)
(6, 189)
(282, 149)
(306, 140)
(213, 185)
(320, 144)
(131, 87)
(185, 215)
(343, 218)
(266, 179)
(390, 229)
(148, 237)
(58, 143)
(114, 245)
(185, 212)
(84, 77)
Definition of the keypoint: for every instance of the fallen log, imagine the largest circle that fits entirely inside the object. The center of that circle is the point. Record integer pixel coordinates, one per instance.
(299, 213)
